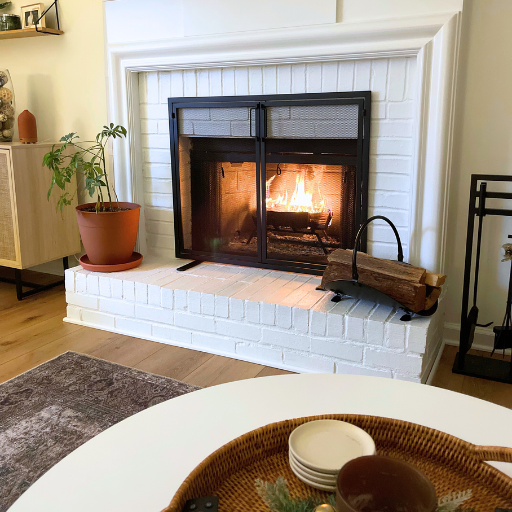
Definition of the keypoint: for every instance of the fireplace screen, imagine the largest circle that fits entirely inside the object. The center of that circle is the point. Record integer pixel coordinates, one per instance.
(275, 181)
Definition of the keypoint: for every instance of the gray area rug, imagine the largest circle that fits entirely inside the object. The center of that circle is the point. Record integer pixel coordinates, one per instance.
(51, 410)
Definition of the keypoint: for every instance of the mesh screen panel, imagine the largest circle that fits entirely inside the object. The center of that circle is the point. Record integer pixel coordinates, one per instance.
(318, 121)
(309, 198)
(217, 122)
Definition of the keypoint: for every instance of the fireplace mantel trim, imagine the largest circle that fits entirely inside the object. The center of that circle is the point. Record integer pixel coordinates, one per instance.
(433, 39)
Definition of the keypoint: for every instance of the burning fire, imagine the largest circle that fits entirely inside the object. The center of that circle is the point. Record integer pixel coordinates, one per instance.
(300, 201)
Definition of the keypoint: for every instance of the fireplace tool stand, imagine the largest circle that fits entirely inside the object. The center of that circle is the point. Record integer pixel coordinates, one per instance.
(469, 364)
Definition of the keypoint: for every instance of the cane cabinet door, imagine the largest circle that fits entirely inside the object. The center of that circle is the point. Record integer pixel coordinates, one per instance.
(9, 243)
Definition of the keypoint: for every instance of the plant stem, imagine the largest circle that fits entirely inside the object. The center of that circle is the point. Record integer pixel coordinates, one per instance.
(105, 174)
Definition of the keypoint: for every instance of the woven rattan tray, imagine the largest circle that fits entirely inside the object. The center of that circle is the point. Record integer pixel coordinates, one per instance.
(450, 463)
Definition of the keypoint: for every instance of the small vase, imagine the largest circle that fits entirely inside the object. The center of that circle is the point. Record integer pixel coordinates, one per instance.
(27, 128)
(7, 107)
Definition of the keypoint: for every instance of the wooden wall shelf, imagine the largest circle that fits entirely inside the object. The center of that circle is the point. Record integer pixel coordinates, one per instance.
(29, 32)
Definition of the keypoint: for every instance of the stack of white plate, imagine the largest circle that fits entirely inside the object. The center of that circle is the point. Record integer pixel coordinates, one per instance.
(318, 450)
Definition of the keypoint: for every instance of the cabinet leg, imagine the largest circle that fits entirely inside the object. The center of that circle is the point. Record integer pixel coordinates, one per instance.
(19, 284)
(65, 262)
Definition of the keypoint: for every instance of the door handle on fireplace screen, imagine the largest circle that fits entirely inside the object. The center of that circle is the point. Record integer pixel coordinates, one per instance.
(250, 121)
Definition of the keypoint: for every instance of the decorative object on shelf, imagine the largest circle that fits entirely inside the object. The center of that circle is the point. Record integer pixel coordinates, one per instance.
(108, 227)
(391, 283)
(32, 15)
(7, 109)
(27, 128)
(471, 364)
(10, 22)
(277, 498)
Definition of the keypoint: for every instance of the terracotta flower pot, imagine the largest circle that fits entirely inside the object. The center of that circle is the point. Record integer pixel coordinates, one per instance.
(108, 237)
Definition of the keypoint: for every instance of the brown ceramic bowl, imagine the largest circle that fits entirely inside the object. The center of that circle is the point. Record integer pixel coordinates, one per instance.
(378, 483)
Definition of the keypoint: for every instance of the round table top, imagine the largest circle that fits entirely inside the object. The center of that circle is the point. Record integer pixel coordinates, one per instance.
(138, 464)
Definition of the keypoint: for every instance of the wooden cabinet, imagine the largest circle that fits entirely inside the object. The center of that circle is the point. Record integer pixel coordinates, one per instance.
(32, 231)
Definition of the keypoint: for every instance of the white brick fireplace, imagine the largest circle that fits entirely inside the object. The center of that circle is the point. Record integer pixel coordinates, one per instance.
(270, 317)
(392, 82)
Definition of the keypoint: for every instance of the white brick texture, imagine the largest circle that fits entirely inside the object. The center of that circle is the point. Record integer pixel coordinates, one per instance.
(392, 82)
(319, 336)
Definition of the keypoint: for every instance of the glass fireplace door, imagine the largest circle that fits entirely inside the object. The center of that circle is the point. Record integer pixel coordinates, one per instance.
(312, 159)
(218, 158)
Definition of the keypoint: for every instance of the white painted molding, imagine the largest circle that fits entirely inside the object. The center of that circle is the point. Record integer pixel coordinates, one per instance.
(433, 39)
(435, 366)
(483, 340)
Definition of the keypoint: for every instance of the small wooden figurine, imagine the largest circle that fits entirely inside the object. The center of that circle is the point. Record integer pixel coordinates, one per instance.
(27, 128)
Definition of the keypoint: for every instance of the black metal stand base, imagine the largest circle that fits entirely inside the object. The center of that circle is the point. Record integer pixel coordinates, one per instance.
(189, 265)
(484, 368)
(36, 288)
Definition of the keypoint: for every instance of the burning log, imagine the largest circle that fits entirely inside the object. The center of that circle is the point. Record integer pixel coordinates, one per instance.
(413, 287)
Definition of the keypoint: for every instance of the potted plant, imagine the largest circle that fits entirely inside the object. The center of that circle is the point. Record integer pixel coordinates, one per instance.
(108, 228)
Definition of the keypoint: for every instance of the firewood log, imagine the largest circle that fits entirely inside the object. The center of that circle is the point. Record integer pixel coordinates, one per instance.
(410, 294)
(435, 279)
(386, 267)
(413, 287)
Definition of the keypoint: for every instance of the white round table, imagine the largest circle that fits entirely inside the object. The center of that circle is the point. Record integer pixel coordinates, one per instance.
(138, 464)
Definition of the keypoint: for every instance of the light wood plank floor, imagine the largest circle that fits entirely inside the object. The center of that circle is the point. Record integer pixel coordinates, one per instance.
(32, 332)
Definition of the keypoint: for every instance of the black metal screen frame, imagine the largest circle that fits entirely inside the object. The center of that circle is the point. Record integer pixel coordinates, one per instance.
(257, 105)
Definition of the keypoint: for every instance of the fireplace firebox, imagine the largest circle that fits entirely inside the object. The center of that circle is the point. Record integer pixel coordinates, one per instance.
(274, 181)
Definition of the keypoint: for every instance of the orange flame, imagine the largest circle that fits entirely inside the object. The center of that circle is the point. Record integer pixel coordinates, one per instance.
(301, 200)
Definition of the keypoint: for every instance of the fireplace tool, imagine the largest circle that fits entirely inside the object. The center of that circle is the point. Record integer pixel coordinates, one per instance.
(471, 322)
(465, 363)
(503, 334)
(357, 290)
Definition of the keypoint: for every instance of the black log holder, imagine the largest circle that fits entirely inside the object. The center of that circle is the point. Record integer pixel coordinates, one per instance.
(483, 367)
(361, 291)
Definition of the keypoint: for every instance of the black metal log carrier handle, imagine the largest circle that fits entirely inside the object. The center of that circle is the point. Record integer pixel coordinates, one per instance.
(355, 275)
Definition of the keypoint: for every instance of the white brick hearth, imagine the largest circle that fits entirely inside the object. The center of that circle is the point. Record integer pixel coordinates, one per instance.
(268, 317)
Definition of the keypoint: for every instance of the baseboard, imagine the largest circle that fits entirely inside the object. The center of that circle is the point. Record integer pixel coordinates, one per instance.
(483, 340)
(231, 355)
(435, 366)
(198, 348)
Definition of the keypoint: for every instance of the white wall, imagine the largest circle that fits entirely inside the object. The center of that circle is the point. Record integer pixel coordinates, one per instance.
(165, 19)
(61, 79)
(363, 10)
(483, 144)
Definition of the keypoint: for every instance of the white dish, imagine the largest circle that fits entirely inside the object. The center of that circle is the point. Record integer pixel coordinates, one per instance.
(311, 483)
(313, 478)
(325, 478)
(326, 445)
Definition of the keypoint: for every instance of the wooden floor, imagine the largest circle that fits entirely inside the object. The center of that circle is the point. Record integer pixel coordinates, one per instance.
(32, 332)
